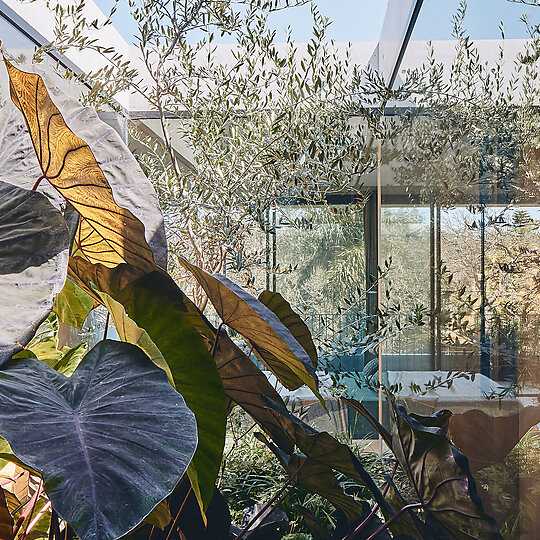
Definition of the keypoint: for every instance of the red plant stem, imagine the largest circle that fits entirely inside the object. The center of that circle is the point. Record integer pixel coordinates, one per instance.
(28, 511)
(178, 513)
(363, 523)
(38, 181)
(35, 521)
(213, 351)
(393, 518)
(271, 501)
(375, 508)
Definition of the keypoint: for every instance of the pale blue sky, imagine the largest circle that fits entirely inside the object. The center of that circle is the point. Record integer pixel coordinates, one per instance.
(361, 20)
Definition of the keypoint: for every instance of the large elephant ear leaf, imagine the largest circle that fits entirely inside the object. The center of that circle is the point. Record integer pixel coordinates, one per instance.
(34, 244)
(130, 186)
(439, 473)
(296, 326)
(247, 386)
(112, 441)
(107, 234)
(271, 340)
(156, 304)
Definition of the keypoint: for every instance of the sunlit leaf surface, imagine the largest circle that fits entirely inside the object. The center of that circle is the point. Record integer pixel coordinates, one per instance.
(108, 233)
(271, 340)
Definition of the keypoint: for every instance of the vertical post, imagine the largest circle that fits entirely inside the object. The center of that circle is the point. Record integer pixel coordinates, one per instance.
(274, 249)
(484, 355)
(370, 249)
(267, 248)
(432, 295)
(379, 265)
(438, 306)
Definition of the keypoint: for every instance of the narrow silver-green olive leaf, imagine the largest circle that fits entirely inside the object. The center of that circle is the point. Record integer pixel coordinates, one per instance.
(111, 441)
(34, 245)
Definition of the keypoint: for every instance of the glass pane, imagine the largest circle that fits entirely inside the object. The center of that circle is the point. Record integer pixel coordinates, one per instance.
(321, 268)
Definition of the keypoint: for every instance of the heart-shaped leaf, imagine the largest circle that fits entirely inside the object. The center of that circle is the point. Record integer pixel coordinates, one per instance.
(34, 245)
(439, 473)
(156, 304)
(271, 340)
(245, 384)
(108, 233)
(130, 186)
(111, 441)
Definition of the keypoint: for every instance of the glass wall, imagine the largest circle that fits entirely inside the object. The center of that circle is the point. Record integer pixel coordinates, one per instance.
(434, 292)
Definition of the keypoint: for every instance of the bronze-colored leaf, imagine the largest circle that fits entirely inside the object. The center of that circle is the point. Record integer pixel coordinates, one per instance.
(324, 449)
(296, 326)
(271, 340)
(439, 473)
(317, 478)
(486, 439)
(245, 384)
(6, 521)
(107, 234)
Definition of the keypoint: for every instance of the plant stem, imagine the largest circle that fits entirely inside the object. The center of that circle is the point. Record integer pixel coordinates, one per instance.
(178, 513)
(106, 326)
(363, 523)
(28, 511)
(38, 181)
(393, 518)
(271, 501)
(213, 351)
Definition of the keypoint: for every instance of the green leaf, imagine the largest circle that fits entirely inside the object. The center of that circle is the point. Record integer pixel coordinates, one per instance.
(291, 320)
(129, 332)
(439, 473)
(72, 304)
(70, 360)
(34, 245)
(160, 516)
(111, 441)
(156, 304)
(271, 340)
